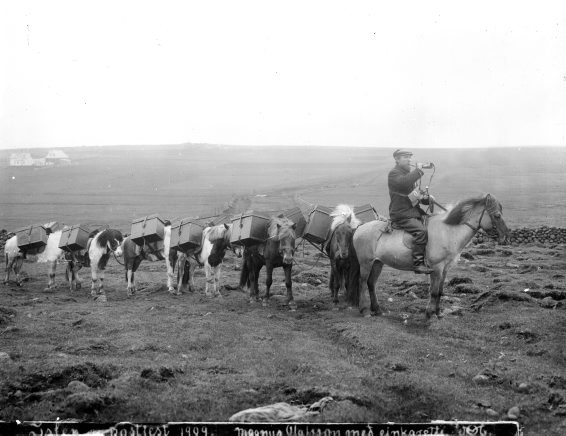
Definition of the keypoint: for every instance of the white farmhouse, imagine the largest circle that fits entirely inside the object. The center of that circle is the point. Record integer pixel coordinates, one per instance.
(21, 160)
(57, 157)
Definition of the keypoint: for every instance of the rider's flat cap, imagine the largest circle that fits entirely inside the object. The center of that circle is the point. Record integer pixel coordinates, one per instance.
(401, 152)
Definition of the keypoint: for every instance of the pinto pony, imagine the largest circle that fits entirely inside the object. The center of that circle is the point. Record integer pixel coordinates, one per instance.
(277, 251)
(214, 244)
(134, 254)
(344, 268)
(448, 234)
(51, 255)
(103, 244)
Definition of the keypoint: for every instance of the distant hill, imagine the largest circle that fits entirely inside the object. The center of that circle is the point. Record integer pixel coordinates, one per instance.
(113, 185)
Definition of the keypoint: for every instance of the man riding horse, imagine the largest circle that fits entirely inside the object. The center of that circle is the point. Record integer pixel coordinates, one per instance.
(404, 210)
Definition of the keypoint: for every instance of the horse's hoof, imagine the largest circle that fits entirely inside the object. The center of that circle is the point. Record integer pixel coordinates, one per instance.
(292, 306)
(78, 286)
(365, 313)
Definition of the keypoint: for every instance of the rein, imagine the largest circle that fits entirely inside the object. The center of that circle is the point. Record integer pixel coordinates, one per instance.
(476, 229)
(116, 257)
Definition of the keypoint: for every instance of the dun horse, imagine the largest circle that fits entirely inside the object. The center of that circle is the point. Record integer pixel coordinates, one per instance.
(277, 251)
(344, 269)
(448, 234)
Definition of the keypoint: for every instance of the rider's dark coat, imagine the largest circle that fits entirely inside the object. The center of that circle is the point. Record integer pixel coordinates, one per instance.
(401, 183)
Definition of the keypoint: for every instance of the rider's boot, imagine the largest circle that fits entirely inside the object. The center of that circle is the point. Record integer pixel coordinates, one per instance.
(418, 260)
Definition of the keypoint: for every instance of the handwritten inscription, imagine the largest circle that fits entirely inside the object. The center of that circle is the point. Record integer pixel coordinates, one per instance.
(268, 429)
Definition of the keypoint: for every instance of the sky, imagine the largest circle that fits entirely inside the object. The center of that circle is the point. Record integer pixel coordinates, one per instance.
(357, 73)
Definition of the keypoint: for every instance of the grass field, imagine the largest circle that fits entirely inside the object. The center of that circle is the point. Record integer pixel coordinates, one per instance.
(113, 185)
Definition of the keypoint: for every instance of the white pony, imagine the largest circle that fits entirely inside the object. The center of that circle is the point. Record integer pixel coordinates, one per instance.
(215, 241)
(134, 254)
(51, 255)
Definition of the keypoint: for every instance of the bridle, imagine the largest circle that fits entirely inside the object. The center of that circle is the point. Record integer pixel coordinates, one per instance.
(490, 212)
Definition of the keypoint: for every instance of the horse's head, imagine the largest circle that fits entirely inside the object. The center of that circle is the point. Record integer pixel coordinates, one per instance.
(342, 229)
(219, 236)
(113, 240)
(282, 230)
(492, 222)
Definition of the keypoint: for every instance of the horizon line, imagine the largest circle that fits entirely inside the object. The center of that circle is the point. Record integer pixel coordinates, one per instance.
(280, 145)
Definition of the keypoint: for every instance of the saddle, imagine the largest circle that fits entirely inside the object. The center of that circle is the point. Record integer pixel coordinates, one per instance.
(408, 239)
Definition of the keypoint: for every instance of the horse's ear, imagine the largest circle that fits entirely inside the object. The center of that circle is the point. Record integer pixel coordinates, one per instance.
(278, 226)
(294, 226)
(349, 219)
(226, 226)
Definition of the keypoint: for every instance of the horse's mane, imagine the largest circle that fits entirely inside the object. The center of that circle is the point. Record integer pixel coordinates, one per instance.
(341, 213)
(462, 210)
(217, 232)
(285, 230)
(108, 235)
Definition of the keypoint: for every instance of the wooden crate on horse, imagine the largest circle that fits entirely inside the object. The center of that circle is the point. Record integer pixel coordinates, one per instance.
(186, 235)
(298, 218)
(366, 213)
(74, 238)
(249, 228)
(147, 230)
(32, 239)
(318, 225)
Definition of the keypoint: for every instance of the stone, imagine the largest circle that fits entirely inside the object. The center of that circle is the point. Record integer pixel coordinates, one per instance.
(4, 356)
(523, 387)
(491, 412)
(77, 386)
(481, 378)
(514, 413)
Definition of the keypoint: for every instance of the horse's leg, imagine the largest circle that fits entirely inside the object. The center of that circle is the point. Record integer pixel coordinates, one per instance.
(289, 285)
(76, 266)
(209, 279)
(130, 282)
(376, 268)
(365, 305)
(181, 273)
(18, 264)
(51, 266)
(269, 282)
(170, 286)
(434, 300)
(94, 283)
(192, 268)
(244, 275)
(332, 282)
(101, 292)
(441, 289)
(217, 270)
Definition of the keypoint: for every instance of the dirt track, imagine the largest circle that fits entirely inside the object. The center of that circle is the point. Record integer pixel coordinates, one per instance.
(157, 357)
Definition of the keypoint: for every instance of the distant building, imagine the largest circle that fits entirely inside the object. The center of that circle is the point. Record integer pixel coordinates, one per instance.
(54, 157)
(21, 160)
(57, 157)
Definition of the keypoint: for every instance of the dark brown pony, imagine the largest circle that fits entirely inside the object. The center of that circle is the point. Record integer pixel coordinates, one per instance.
(344, 267)
(277, 251)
